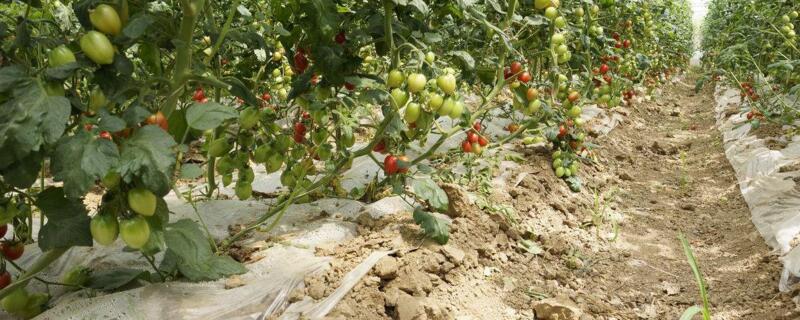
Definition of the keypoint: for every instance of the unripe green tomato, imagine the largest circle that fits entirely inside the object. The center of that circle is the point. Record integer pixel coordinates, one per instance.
(560, 172)
(557, 163)
(243, 190)
(416, 82)
(564, 58)
(347, 138)
(435, 101)
(575, 112)
(447, 107)
(248, 118)
(97, 47)
(562, 48)
(412, 112)
(399, 97)
(135, 232)
(556, 154)
(142, 201)
(97, 100)
(541, 4)
(515, 84)
(261, 154)
(225, 165)
(283, 94)
(246, 174)
(218, 147)
(274, 162)
(60, 56)
(558, 39)
(786, 19)
(579, 12)
(104, 228)
(276, 73)
(560, 22)
(567, 172)
(395, 79)
(430, 57)
(551, 13)
(111, 180)
(534, 106)
(105, 19)
(227, 179)
(458, 110)
(793, 14)
(447, 83)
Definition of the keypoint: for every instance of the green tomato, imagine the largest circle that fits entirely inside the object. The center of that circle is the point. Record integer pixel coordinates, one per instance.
(227, 179)
(16, 301)
(60, 56)
(458, 110)
(534, 106)
(97, 100)
(244, 190)
(347, 138)
(447, 107)
(105, 19)
(111, 180)
(558, 39)
(274, 162)
(551, 13)
(562, 49)
(218, 147)
(541, 4)
(575, 112)
(248, 118)
(104, 228)
(77, 276)
(412, 112)
(395, 79)
(135, 232)
(435, 101)
(447, 83)
(557, 163)
(142, 201)
(430, 57)
(416, 82)
(399, 97)
(97, 47)
(261, 154)
(560, 172)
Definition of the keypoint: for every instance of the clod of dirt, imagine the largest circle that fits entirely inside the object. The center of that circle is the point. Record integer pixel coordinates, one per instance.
(625, 176)
(453, 254)
(386, 268)
(558, 308)
(233, 282)
(459, 202)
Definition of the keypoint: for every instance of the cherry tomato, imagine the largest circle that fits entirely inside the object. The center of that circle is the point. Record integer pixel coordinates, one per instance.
(466, 146)
(524, 77)
(5, 279)
(380, 147)
(447, 83)
(300, 61)
(104, 229)
(12, 250)
(562, 131)
(604, 68)
(249, 118)
(349, 86)
(3, 230)
(390, 165)
(532, 94)
(395, 79)
(472, 137)
(105, 19)
(482, 141)
(416, 82)
(199, 95)
(104, 135)
(477, 126)
(507, 73)
(266, 96)
(97, 47)
(574, 96)
(135, 232)
(218, 147)
(158, 119)
(16, 301)
(403, 163)
(626, 43)
(142, 201)
(516, 67)
(340, 38)
(60, 56)
(412, 112)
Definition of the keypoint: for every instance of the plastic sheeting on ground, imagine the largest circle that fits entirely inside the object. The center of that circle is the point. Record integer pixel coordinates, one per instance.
(766, 179)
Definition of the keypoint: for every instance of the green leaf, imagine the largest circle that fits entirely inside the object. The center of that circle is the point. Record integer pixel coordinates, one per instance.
(23, 173)
(62, 72)
(191, 171)
(434, 228)
(82, 159)
(429, 191)
(195, 259)
(111, 279)
(324, 14)
(138, 26)
(209, 115)
(30, 120)
(465, 59)
(574, 183)
(239, 89)
(691, 312)
(149, 157)
(67, 222)
(10, 76)
(135, 114)
(109, 122)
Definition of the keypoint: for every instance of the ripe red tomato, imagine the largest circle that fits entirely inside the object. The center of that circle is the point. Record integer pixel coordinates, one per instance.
(158, 119)
(390, 165)
(466, 146)
(750, 115)
(607, 78)
(5, 279)
(562, 131)
(306, 115)
(615, 36)
(516, 67)
(104, 135)
(349, 86)
(199, 95)
(524, 77)
(472, 137)
(477, 126)
(604, 68)
(482, 141)
(626, 43)
(300, 61)
(266, 96)
(340, 38)
(380, 147)
(3, 230)
(507, 73)
(618, 45)
(12, 250)
(88, 127)
(299, 132)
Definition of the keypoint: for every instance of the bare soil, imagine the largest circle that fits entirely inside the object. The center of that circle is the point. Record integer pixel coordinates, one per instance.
(610, 251)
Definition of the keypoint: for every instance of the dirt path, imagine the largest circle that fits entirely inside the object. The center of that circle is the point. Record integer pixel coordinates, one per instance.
(663, 170)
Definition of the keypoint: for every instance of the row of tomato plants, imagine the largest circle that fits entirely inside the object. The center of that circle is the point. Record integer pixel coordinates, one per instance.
(118, 97)
(753, 46)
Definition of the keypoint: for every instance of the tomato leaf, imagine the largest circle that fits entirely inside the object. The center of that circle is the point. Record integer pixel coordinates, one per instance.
(82, 159)
(239, 89)
(138, 26)
(109, 122)
(24, 172)
(111, 279)
(195, 259)
(191, 171)
(209, 115)
(429, 191)
(10, 76)
(62, 72)
(148, 156)
(30, 120)
(465, 59)
(67, 221)
(135, 114)
(434, 228)
(574, 183)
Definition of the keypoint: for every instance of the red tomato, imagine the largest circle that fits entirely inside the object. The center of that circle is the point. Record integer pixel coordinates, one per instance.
(199, 95)
(524, 77)
(5, 279)
(266, 96)
(402, 164)
(380, 147)
(299, 132)
(158, 119)
(618, 45)
(390, 165)
(482, 141)
(300, 61)
(340, 38)
(12, 250)
(516, 67)
(562, 131)
(88, 127)
(477, 126)
(349, 86)
(104, 135)
(466, 146)
(607, 78)
(626, 43)
(574, 96)
(604, 68)
(472, 137)
(507, 73)
(615, 36)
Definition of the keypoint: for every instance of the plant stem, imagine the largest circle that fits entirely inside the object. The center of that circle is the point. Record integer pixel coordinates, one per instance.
(183, 57)
(388, 34)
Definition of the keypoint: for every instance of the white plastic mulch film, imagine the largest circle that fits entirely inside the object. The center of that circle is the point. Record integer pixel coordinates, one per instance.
(766, 180)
